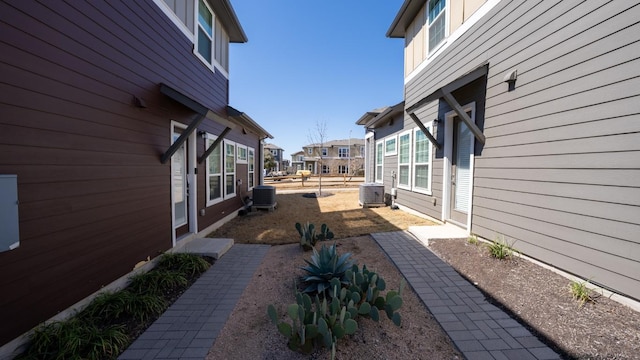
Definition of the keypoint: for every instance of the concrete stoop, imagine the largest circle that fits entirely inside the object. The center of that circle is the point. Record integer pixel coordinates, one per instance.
(446, 231)
(213, 247)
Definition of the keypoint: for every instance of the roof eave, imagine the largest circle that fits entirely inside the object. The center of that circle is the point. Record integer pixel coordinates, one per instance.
(247, 122)
(225, 12)
(403, 18)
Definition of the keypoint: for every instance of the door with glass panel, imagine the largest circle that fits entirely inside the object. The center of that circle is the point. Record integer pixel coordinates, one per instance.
(463, 141)
(180, 187)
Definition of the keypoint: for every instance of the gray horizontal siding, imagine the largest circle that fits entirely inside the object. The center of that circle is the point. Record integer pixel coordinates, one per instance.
(560, 170)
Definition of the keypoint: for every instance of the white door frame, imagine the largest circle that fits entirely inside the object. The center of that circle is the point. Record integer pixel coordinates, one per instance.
(192, 211)
(447, 164)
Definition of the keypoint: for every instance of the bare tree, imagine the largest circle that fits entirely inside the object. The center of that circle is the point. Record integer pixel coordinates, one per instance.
(317, 137)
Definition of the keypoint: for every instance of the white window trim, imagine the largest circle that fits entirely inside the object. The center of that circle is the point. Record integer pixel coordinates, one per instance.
(250, 172)
(395, 146)
(194, 39)
(324, 151)
(451, 38)
(210, 202)
(407, 186)
(445, 13)
(414, 188)
(344, 148)
(240, 160)
(375, 163)
(224, 170)
(174, 18)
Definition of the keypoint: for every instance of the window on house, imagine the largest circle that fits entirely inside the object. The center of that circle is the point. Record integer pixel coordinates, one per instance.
(205, 32)
(362, 150)
(310, 151)
(181, 11)
(300, 157)
(421, 162)
(437, 22)
(242, 154)
(198, 23)
(214, 173)
(325, 169)
(379, 156)
(229, 169)
(343, 152)
(404, 159)
(343, 169)
(390, 146)
(251, 158)
(324, 151)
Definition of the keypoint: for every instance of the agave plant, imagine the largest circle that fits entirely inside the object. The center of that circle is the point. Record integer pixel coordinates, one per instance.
(324, 266)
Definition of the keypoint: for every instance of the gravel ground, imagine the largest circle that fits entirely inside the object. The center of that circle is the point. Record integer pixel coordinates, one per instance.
(249, 334)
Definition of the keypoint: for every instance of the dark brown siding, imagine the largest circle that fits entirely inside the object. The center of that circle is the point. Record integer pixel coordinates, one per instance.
(94, 197)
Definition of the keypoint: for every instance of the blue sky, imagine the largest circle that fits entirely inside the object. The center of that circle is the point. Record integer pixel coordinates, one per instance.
(310, 61)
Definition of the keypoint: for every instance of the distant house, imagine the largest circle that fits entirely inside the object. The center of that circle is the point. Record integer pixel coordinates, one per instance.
(117, 140)
(278, 156)
(334, 157)
(297, 161)
(520, 119)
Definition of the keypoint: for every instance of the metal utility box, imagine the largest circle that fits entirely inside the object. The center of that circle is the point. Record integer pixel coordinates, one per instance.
(371, 195)
(9, 234)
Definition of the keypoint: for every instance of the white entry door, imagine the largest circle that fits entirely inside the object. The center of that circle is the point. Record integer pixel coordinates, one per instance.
(458, 169)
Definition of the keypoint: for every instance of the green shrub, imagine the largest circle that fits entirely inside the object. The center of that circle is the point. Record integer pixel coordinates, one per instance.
(114, 306)
(309, 237)
(157, 282)
(501, 249)
(581, 292)
(187, 264)
(473, 240)
(76, 339)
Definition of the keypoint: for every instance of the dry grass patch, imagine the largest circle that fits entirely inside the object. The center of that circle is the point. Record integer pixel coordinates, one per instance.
(340, 211)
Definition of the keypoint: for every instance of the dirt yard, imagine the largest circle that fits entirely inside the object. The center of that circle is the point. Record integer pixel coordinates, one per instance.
(535, 296)
(339, 211)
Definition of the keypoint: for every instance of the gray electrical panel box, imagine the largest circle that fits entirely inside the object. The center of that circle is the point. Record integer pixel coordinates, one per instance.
(9, 229)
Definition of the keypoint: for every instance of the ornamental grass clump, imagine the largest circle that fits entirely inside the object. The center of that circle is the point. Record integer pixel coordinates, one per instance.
(581, 292)
(105, 327)
(501, 249)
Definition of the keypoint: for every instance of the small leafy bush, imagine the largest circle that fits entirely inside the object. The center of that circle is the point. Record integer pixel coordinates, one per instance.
(324, 266)
(122, 305)
(501, 249)
(102, 329)
(581, 292)
(473, 240)
(76, 339)
(184, 263)
(309, 237)
(157, 282)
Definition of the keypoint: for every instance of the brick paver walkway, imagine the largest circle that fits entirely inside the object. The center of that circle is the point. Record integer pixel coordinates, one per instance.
(479, 329)
(188, 329)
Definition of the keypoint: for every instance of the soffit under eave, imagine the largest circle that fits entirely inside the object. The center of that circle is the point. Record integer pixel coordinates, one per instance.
(404, 17)
(386, 116)
(247, 123)
(224, 11)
